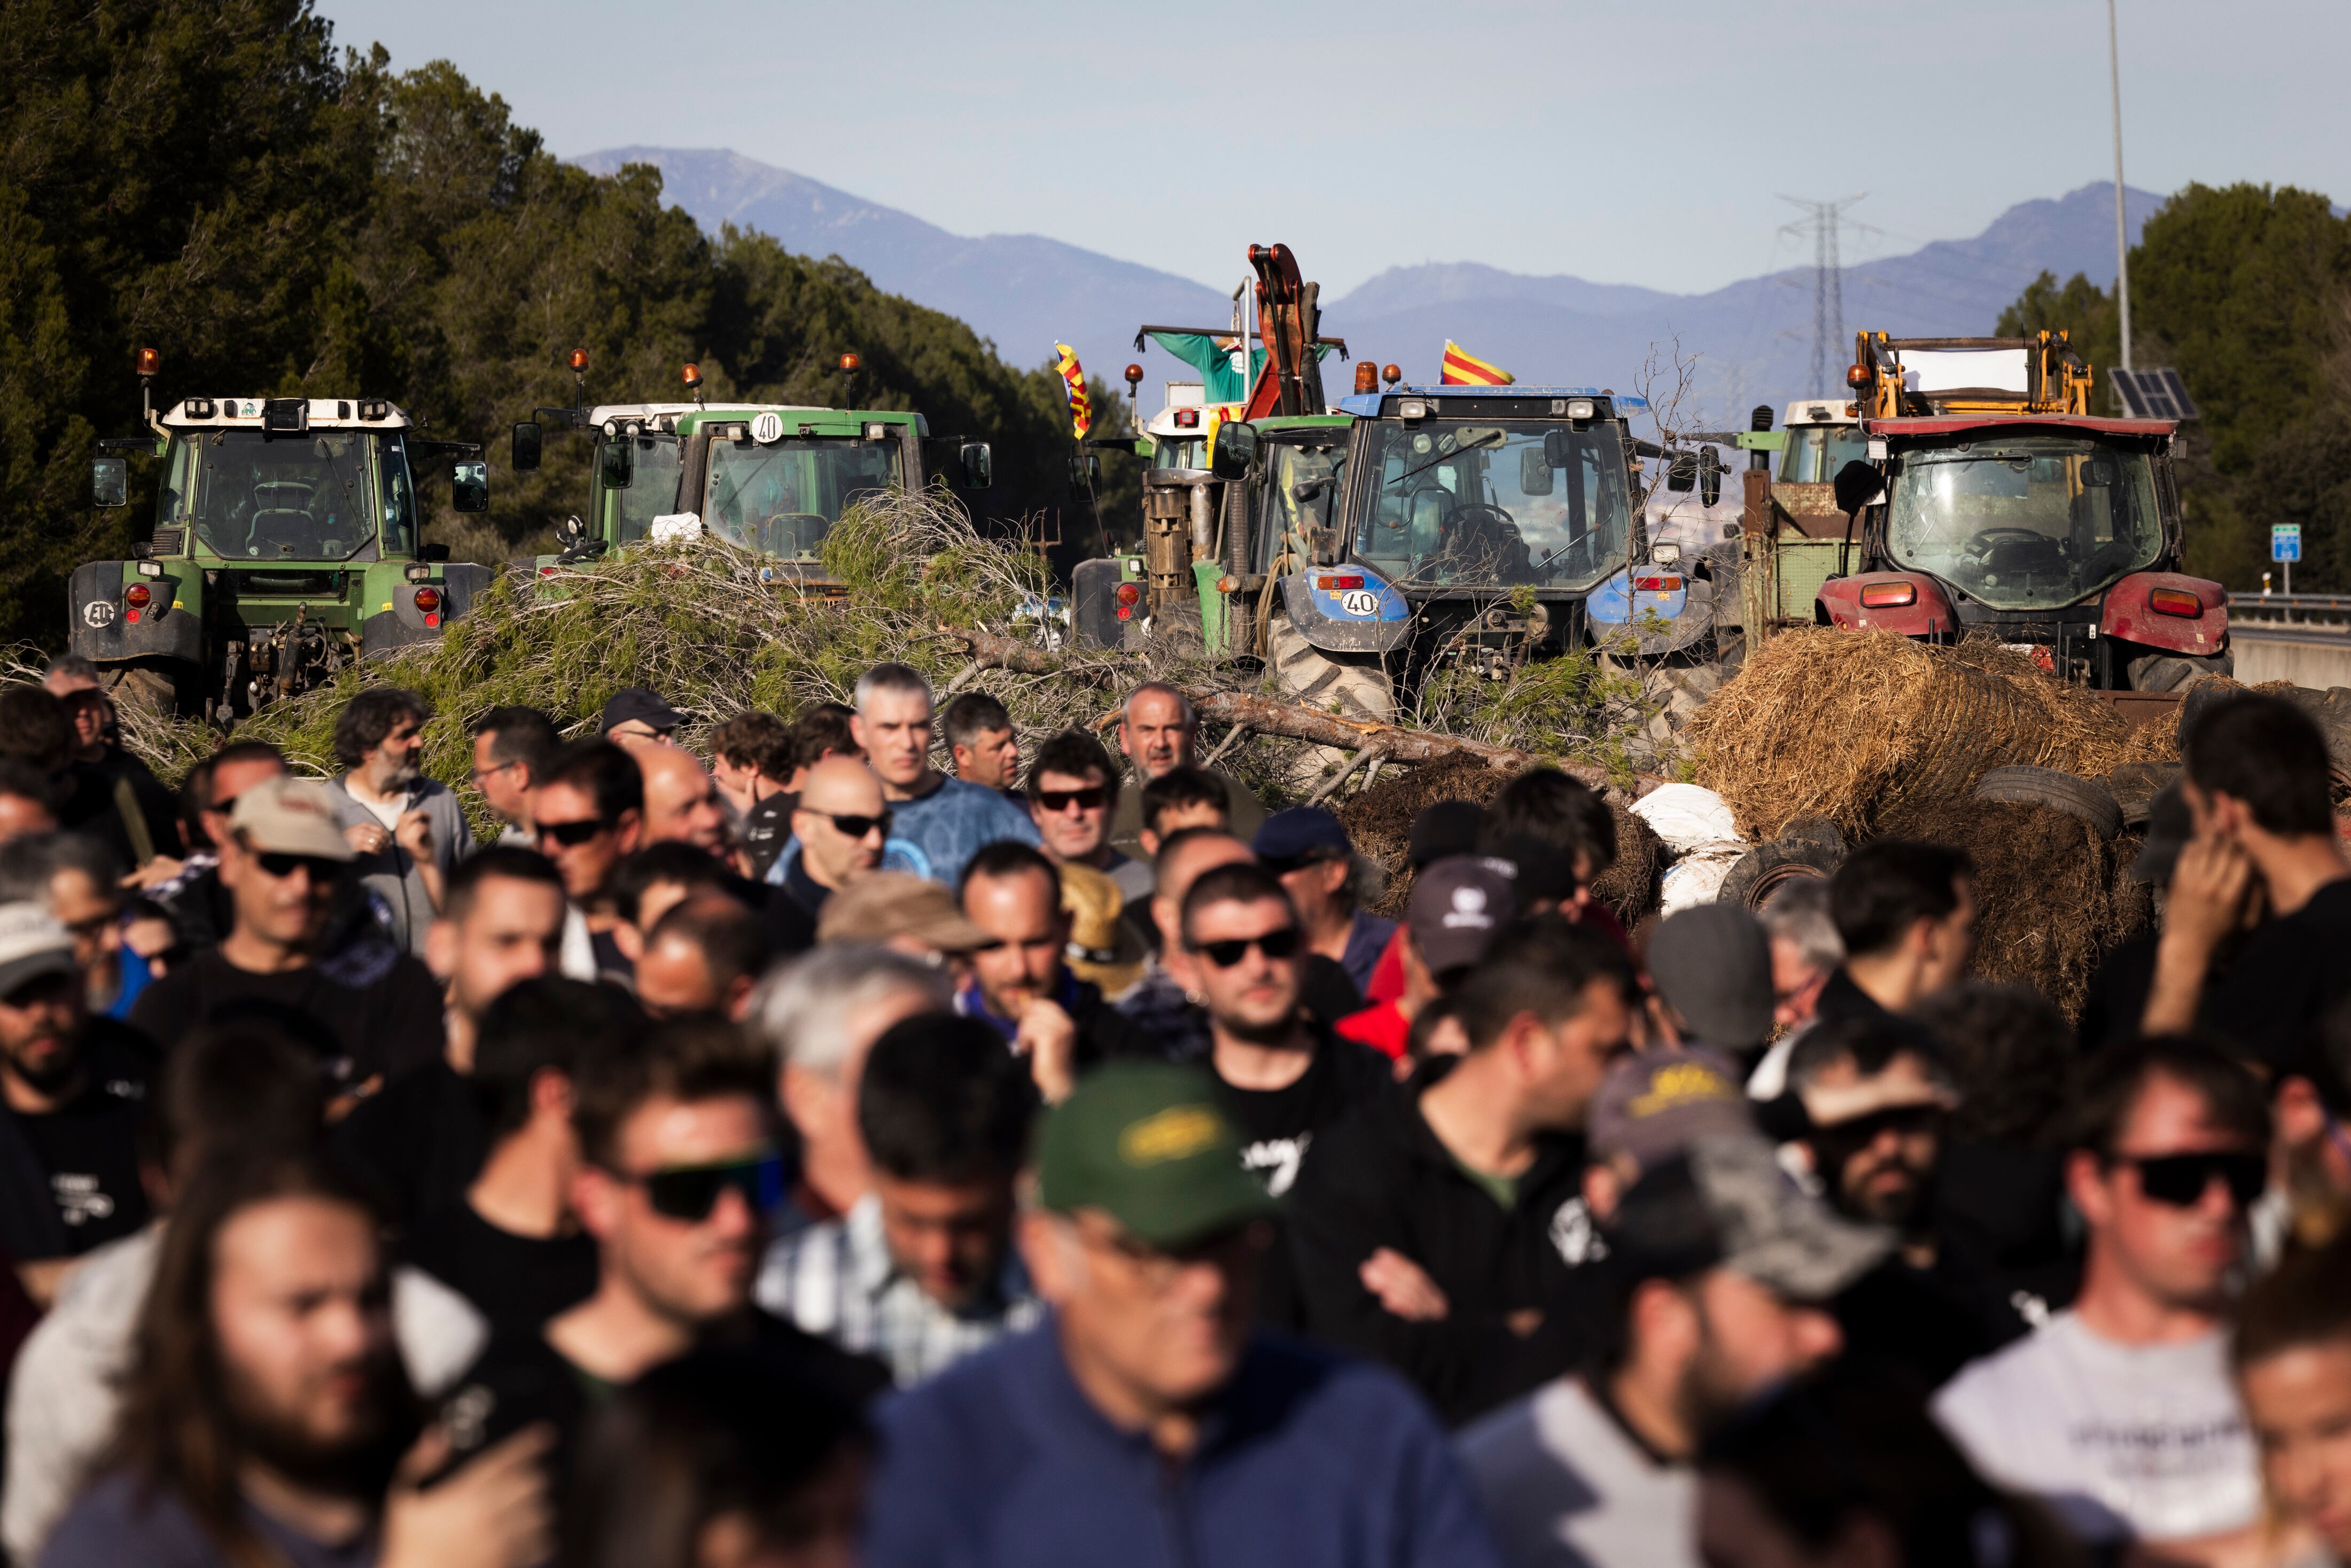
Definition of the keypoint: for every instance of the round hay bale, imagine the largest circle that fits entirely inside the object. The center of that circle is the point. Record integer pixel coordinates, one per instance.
(1860, 727)
(1379, 821)
(2051, 895)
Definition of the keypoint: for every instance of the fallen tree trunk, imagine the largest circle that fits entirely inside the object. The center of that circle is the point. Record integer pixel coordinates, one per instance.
(1396, 743)
(1263, 715)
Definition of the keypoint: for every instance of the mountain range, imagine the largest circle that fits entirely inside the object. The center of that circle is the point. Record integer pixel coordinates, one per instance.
(1749, 342)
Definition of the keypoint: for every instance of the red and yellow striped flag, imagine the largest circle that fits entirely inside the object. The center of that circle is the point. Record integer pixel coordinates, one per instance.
(1082, 407)
(1464, 369)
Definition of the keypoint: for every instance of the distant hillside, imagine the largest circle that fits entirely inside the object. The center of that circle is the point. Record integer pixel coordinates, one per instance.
(1751, 341)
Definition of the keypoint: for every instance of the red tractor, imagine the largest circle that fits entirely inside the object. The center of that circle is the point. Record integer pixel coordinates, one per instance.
(1992, 499)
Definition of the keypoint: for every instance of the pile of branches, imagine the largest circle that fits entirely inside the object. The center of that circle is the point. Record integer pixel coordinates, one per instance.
(908, 578)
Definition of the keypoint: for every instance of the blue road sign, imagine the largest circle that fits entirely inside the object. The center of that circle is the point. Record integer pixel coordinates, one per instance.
(2285, 541)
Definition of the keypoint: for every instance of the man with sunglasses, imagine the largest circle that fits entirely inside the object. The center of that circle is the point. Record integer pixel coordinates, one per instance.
(944, 822)
(587, 812)
(1145, 1421)
(1877, 1094)
(369, 1010)
(2120, 1412)
(679, 1169)
(840, 832)
(1073, 789)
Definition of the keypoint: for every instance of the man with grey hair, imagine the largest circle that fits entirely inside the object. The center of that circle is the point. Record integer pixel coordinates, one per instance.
(820, 1015)
(1158, 731)
(69, 673)
(1805, 951)
(944, 821)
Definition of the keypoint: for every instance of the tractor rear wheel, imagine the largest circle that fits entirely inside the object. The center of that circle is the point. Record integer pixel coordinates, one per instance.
(1353, 685)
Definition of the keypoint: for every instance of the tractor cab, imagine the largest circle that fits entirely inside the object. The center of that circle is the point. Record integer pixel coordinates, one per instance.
(772, 479)
(1989, 498)
(285, 548)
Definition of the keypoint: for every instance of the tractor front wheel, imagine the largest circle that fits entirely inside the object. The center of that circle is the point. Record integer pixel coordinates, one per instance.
(1351, 686)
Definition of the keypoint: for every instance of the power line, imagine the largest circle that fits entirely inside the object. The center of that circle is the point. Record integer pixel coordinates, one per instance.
(1828, 284)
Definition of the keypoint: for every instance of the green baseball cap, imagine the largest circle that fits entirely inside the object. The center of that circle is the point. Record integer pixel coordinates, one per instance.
(1147, 1145)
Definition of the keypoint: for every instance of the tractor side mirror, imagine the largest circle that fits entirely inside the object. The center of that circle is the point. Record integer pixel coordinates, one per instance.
(1555, 449)
(469, 487)
(110, 482)
(2098, 472)
(527, 446)
(1857, 485)
(1235, 451)
(1681, 473)
(1536, 471)
(432, 552)
(616, 462)
(1085, 471)
(978, 466)
(1709, 476)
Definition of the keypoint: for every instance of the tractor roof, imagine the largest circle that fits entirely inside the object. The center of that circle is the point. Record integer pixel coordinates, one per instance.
(1952, 423)
(1490, 399)
(281, 414)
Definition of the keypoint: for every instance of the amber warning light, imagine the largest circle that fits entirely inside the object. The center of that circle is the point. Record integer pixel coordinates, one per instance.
(149, 362)
(578, 359)
(849, 362)
(1367, 376)
(693, 374)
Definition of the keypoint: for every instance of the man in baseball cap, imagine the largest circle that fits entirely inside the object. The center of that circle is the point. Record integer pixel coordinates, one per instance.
(1712, 968)
(1720, 1266)
(69, 1116)
(638, 716)
(1308, 849)
(1145, 1236)
(1457, 906)
(374, 1011)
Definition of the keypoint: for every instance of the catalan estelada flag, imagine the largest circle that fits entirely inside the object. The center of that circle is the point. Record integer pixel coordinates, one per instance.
(1464, 369)
(1073, 376)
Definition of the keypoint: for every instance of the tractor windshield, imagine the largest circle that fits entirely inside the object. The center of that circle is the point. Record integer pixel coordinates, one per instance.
(2024, 521)
(1301, 490)
(652, 489)
(781, 500)
(1816, 453)
(252, 496)
(1468, 505)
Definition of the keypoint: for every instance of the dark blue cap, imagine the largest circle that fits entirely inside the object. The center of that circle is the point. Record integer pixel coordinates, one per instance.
(1288, 834)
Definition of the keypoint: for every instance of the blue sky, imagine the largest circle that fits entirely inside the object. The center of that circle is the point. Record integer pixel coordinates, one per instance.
(1622, 144)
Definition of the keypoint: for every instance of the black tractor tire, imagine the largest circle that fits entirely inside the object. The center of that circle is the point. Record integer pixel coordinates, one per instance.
(1353, 685)
(2170, 672)
(1766, 868)
(2088, 799)
(140, 689)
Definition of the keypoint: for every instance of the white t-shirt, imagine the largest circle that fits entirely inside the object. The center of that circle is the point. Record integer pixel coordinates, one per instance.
(2145, 1441)
(1566, 1486)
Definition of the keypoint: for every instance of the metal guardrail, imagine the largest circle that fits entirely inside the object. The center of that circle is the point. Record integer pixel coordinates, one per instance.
(2333, 608)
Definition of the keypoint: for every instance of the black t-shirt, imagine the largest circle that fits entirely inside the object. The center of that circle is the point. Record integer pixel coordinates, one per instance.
(421, 1138)
(517, 1281)
(86, 1152)
(766, 828)
(370, 1010)
(1277, 1125)
(2269, 991)
(1325, 988)
(785, 928)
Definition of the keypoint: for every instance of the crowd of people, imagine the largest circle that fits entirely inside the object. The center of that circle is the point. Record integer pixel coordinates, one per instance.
(899, 1140)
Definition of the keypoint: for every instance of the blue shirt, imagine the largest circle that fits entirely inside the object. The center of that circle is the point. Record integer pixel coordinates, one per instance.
(1305, 1460)
(955, 822)
(1368, 941)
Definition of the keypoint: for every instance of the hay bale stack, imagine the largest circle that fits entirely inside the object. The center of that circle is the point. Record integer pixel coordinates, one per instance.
(1860, 727)
(1379, 821)
(2051, 895)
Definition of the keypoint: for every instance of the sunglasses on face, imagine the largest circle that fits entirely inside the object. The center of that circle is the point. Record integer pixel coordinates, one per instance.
(1281, 944)
(571, 835)
(281, 866)
(690, 1192)
(2181, 1180)
(858, 827)
(1862, 1131)
(1089, 798)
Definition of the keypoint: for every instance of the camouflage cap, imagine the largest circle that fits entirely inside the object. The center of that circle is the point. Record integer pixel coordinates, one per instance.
(1725, 1203)
(1146, 1144)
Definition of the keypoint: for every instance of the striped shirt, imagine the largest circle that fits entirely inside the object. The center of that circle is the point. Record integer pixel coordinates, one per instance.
(837, 1280)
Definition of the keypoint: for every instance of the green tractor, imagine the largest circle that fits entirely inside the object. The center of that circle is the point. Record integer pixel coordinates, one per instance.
(285, 549)
(772, 479)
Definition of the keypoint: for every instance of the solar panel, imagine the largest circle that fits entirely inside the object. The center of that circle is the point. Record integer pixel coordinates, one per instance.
(2153, 395)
